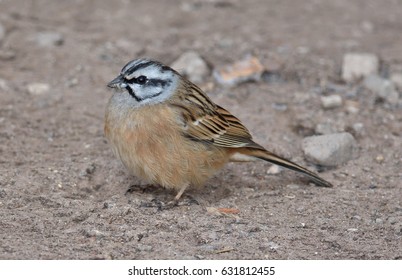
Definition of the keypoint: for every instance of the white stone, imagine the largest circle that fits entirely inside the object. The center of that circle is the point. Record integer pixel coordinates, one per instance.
(274, 169)
(38, 88)
(352, 106)
(49, 39)
(191, 65)
(331, 149)
(358, 128)
(331, 101)
(359, 65)
(383, 88)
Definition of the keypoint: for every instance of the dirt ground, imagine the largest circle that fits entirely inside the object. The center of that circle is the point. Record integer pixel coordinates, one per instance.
(63, 193)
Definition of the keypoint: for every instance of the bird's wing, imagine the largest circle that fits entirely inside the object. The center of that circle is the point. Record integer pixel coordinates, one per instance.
(205, 121)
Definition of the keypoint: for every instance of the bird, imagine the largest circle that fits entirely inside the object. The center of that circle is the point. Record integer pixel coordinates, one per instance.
(168, 132)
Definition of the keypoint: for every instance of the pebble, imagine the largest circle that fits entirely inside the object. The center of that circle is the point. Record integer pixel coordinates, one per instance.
(358, 128)
(279, 106)
(38, 88)
(359, 65)
(352, 107)
(273, 245)
(49, 39)
(248, 69)
(392, 220)
(396, 78)
(94, 233)
(274, 169)
(383, 88)
(329, 150)
(398, 227)
(331, 101)
(144, 248)
(191, 65)
(379, 159)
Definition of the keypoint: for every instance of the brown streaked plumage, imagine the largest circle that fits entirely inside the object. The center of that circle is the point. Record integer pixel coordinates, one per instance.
(167, 131)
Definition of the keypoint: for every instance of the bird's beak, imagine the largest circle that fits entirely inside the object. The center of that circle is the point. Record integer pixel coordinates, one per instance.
(117, 82)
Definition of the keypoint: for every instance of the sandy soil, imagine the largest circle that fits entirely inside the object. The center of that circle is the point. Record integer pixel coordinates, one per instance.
(63, 193)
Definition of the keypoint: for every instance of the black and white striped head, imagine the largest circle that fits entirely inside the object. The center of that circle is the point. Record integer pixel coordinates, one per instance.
(146, 81)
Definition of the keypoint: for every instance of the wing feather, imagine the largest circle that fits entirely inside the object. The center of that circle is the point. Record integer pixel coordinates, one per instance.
(205, 121)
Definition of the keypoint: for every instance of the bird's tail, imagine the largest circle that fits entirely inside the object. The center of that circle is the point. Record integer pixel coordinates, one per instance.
(272, 158)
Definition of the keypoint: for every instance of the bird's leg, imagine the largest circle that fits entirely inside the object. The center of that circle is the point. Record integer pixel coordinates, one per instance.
(175, 201)
(164, 206)
(180, 193)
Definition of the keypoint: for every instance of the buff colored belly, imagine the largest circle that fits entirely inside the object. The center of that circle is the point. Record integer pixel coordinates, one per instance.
(151, 146)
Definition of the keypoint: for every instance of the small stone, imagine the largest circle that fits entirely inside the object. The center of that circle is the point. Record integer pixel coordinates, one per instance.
(358, 128)
(72, 82)
(281, 107)
(94, 233)
(191, 65)
(38, 88)
(359, 65)
(301, 97)
(352, 107)
(378, 221)
(379, 159)
(190, 7)
(396, 78)
(392, 220)
(273, 245)
(303, 50)
(383, 88)
(293, 186)
(248, 69)
(145, 248)
(274, 169)
(331, 101)
(49, 39)
(329, 150)
(398, 227)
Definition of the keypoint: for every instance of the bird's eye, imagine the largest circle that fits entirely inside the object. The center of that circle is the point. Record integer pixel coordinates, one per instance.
(141, 80)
